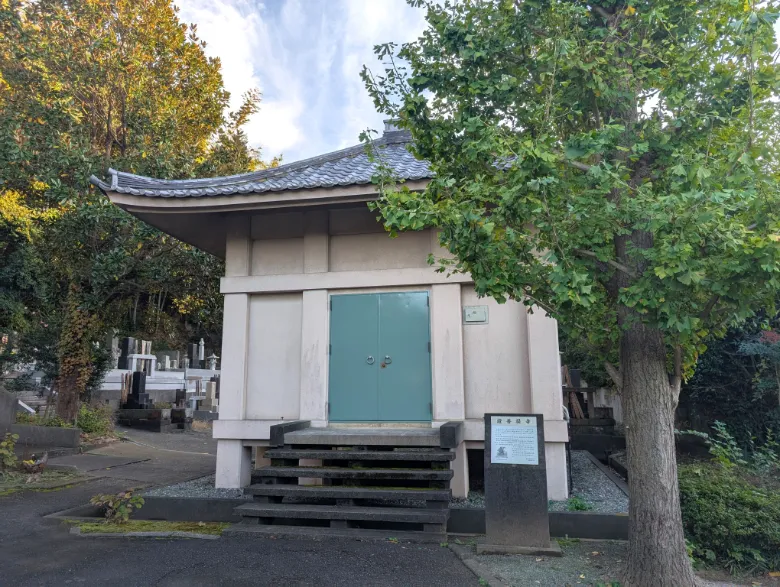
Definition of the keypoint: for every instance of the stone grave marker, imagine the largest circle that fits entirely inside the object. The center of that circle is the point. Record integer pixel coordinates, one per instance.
(516, 517)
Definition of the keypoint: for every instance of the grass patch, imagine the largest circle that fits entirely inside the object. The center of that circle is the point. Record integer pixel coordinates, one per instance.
(214, 528)
(11, 482)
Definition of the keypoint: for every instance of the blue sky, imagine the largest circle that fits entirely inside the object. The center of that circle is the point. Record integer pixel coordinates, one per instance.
(305, 56)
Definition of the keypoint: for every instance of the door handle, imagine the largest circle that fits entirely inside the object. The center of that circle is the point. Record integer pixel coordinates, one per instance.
(370, 360)
(388, 359)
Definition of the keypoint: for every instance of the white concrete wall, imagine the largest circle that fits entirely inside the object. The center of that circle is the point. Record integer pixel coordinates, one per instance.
(497, 374)
(282, 270)
(274, 357)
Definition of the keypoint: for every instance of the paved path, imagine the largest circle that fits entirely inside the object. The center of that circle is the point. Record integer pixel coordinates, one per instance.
(148, 458)
(35, 551)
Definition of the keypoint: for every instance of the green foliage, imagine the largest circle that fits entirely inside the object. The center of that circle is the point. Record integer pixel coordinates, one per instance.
(97, 420)
(85, 86)
(117, 508)
(731, 507)
(52, 421)
(8, 458)
(734, 386)
(639, 145)
(577, 504)
(730, 520)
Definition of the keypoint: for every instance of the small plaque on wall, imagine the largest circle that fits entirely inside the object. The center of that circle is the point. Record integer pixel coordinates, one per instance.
(475, 314)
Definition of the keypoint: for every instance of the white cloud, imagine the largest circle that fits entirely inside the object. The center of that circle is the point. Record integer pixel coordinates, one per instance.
(305, 57)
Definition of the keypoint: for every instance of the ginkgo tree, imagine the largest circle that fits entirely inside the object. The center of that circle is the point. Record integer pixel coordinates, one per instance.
(612, 163)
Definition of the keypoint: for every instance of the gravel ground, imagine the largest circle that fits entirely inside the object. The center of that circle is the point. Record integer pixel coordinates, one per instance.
(202, 488)
(587, 562)
(590, 484)
(583, 563)
(593, 486)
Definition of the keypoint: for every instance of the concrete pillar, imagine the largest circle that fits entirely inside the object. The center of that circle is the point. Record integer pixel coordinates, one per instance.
(234, 464)
(234, 461)
(449, 402)
(546, 397)
(314, 356)
(460, 468)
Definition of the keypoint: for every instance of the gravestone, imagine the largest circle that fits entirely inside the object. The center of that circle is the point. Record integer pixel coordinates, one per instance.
(138, 399)
(516, 517)
(192, 355)
(126, 348)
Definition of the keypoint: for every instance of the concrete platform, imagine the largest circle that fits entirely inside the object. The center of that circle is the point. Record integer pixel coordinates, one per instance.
(364, 436)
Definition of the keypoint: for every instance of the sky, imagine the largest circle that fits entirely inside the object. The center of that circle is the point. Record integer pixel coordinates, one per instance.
(305, 56)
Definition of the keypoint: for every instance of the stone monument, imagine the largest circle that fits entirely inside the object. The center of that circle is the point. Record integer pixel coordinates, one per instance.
(516, 517)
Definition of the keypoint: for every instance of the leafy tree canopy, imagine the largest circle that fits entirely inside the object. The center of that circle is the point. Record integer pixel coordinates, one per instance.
(613, 163)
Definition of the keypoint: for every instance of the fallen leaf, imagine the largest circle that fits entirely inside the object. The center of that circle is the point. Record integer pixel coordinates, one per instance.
(595, 553)
(774, 574)
(539, 560)
(582, 576)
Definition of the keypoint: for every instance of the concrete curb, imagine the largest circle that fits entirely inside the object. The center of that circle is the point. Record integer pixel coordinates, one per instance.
(622, 485)
(75, 531)
(469, 558)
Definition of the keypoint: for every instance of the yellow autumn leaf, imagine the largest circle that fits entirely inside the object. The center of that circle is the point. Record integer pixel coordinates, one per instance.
(630, 11)
(774, 237)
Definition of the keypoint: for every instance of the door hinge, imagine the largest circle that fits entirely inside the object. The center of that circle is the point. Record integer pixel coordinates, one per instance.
(430, 407)
(328, 405)
(428, 301)
(331, 304)
(429, 346)
(330, 349)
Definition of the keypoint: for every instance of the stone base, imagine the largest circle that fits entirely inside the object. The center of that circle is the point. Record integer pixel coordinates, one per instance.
(553, 550)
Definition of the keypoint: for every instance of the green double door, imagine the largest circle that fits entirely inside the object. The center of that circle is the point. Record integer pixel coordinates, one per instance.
(380, 362)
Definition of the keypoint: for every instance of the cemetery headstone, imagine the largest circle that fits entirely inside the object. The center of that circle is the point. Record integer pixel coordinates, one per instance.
(138, 399)
(516, 517)
(192, 355)
(212, 362)
(126, 348)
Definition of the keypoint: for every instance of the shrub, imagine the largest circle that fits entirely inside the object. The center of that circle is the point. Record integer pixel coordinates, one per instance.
(98, 420)
(117, 508)
(8, 458)
(728, 520)
(38, 420)
(577, 504)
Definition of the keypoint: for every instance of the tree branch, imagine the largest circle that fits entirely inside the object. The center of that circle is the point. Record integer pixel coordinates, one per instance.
(708, 307)
(613, 263)
(615, 375)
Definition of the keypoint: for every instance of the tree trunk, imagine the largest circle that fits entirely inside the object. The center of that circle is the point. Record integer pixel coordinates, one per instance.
(657, 554)
(68, 398)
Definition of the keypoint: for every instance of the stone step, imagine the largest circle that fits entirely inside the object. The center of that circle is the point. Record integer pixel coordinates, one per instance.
(245, 530)
(395, 437)
(347, 473)
(330, 492)
(360, 455)
(336, 512)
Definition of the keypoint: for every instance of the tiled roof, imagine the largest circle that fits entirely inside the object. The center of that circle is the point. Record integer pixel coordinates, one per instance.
(340, 168)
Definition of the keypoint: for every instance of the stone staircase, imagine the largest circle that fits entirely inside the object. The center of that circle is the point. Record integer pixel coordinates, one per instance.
(353, 482)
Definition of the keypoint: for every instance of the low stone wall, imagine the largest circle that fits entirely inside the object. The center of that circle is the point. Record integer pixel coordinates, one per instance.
(45, 436)
(586, 525)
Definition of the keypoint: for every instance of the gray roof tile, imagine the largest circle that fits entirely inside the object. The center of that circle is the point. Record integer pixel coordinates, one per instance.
(341, 168)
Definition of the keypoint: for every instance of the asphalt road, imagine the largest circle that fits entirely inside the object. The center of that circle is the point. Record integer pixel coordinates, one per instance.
(34, 551)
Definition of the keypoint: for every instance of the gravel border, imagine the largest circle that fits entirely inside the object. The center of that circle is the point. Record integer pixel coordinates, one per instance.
(593, 486)
(590, 484)
(175, 534)
(202, 487)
